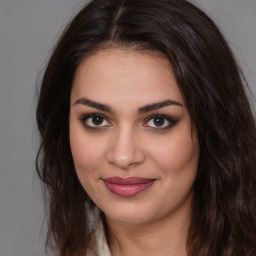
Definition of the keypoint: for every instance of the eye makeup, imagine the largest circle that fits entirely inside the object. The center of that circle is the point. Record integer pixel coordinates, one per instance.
(157, 122)
(95, 121)
(160, 122)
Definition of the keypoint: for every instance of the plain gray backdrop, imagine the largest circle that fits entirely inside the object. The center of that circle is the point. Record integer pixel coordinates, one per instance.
(28, 30)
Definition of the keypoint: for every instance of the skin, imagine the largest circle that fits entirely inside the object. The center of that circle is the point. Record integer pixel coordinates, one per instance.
(128, 143)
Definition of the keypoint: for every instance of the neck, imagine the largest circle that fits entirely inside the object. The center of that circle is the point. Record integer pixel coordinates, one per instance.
(166, 236)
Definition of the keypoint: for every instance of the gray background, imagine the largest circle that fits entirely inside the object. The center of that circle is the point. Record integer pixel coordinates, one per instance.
(28, 29)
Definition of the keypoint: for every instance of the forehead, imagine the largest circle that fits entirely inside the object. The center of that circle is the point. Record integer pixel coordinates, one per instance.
(121, 75)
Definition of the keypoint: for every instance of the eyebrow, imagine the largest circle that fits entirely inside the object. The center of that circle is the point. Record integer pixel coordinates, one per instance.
(94, 104)
(144, 109)
(157, 105)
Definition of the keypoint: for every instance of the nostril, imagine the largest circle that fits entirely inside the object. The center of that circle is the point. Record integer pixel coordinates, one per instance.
(127, 160)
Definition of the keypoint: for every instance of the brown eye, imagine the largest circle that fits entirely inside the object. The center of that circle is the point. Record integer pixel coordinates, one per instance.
(159, 121)
(97, 120)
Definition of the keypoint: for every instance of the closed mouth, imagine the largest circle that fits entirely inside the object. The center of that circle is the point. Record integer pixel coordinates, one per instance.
(127, 187)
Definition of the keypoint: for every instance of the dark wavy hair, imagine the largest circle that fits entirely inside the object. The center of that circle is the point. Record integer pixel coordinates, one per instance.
(223, 215)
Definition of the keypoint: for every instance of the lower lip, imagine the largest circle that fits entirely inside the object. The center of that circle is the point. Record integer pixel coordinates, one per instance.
(127, 190)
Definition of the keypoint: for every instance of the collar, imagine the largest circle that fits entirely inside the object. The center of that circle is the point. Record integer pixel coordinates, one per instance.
(98, 244)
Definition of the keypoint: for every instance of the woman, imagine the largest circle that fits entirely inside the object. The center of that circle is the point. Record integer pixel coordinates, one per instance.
(148, 142)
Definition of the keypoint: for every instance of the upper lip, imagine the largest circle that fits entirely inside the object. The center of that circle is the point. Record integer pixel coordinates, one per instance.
(128, 180)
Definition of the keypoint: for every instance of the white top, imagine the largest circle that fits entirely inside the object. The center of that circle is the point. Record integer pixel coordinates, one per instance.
(99, 246)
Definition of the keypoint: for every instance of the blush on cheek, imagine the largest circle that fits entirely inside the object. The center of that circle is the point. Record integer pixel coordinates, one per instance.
(185, 154)
(81, 148)
(87, 160)
(179, 156)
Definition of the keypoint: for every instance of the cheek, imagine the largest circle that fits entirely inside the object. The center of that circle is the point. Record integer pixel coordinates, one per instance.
(178, 163)
(178, 155)
(87, 152)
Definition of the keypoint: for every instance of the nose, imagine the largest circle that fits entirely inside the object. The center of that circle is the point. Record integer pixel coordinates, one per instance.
(125, 150)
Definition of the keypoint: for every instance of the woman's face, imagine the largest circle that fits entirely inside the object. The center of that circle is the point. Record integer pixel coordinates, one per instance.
(133, 144)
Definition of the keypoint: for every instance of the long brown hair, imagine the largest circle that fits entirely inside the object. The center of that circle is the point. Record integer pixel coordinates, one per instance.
(223, 217)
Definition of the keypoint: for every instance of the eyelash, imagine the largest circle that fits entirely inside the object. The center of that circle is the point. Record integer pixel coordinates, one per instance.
(171, 121)
(84, 118)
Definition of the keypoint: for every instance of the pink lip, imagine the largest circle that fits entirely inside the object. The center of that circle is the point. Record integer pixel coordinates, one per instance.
(127, 186)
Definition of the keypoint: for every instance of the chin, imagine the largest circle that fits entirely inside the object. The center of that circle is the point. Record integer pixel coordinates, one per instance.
(127, 214)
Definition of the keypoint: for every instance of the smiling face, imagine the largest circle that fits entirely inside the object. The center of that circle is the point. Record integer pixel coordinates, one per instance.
(133, 144)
